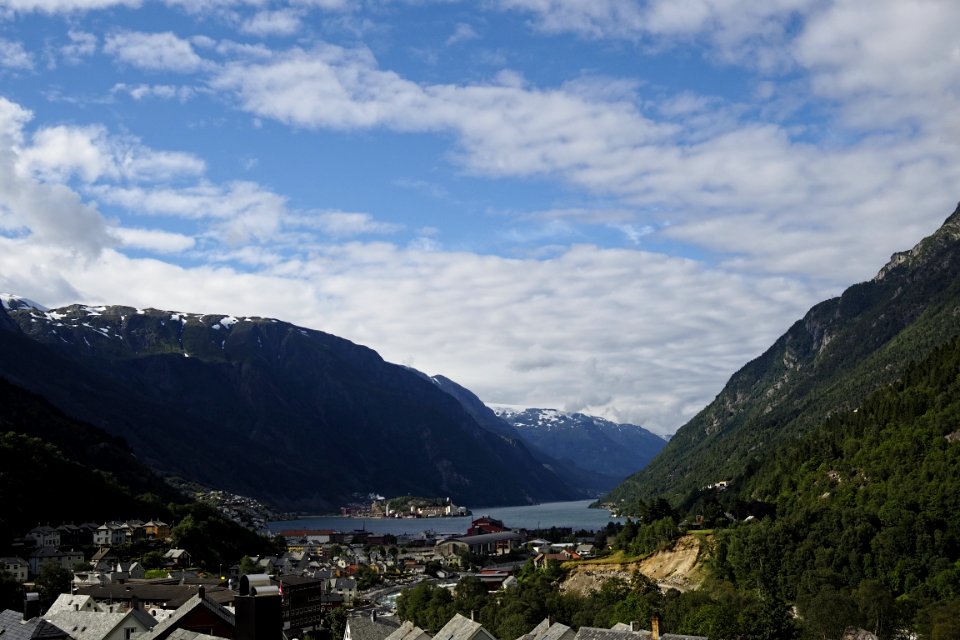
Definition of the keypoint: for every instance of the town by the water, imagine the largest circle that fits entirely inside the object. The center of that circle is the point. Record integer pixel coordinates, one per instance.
(129, 579)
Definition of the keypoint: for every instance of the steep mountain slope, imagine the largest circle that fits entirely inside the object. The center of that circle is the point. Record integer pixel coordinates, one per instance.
(298, 418)
(588, 481)
(867, 526)
(67, 470)
(842, 350)
(595, 444)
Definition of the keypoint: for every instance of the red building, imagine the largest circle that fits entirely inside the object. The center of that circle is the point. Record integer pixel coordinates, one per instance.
(486, 524)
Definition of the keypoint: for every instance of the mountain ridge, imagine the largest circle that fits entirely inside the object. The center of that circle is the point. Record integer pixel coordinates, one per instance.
(841, 350)
(592, 482)
(296, 417)
(594, 443)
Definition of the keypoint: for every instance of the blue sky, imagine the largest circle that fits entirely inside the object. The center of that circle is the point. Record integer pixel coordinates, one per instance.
(594, 205)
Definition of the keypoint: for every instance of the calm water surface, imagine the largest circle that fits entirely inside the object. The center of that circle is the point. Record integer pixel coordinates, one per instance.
(576, 515)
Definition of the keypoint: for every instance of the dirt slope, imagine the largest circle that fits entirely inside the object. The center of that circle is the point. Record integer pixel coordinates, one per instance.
(679, 567)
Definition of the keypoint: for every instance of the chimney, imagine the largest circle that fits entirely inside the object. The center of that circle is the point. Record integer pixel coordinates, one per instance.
(635, 626)
(201, 592)
(655, 627)
(31, 606)
(373, 616)
(259, 609)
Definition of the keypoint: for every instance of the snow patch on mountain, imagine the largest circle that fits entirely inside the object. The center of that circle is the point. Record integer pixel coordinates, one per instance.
(12, 301)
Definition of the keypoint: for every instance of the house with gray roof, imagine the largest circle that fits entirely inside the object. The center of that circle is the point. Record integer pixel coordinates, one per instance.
(408, 631)
(186, 634)
(599, 633)
(110, 533)
(14, 627)
(632, 631)
(157, 594)
(65, 559)
(15, 566)
(71, 535)
(346, 587)
(462, 628)
(72, 602)
(549, 630)
(44, 536)
(102, 625)
(179, 557)
(199, 614)
(369, 628)
(483, 544)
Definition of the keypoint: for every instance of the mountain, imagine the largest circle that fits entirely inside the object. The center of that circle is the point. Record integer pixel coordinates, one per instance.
(66, 470)
(588, 482)
(595, 444)
(829, 361)
(297, 418)
(867, 512)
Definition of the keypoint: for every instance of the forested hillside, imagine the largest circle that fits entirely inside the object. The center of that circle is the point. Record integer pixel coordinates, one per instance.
(62, 470)
(868, 510)
(862, 531)
(842, 350)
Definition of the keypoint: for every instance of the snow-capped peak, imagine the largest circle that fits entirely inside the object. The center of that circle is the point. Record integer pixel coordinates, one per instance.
(12, 301)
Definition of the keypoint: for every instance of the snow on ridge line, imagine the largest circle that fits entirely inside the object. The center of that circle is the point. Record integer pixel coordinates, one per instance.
(94, 311)
(12, 301)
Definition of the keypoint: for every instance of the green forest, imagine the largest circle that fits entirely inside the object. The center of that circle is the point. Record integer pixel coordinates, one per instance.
(854, 524)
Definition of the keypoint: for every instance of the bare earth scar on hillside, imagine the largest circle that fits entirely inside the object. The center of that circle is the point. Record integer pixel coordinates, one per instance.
(679, 567)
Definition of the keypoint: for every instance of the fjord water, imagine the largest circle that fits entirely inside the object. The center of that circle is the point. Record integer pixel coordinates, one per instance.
(576, 515)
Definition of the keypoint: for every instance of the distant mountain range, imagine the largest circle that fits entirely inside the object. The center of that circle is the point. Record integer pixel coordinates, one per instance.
(585, 451)
(295, 417)
(841, 351)
(593, 444)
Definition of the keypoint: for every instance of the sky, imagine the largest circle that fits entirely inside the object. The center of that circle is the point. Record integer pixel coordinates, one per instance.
(606, 206)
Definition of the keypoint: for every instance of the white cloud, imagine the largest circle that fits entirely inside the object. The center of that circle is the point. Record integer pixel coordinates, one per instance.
(739, 31)
(82, 45)
(631, 335)
(462, 32)
(90, 153)
(597, 18)
(239, 211)
(153, 239)
(886, 61)
(343, 223)
(159, 91)
(47, 213)
(329, 5)
(63, 6)
(14, 56)
(153, 51)
(691, 169)
(281, 22)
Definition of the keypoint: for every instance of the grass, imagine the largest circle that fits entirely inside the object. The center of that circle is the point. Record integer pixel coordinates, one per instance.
(617, 557)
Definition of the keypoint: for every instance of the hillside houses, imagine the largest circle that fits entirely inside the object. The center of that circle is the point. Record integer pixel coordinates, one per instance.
(66, 546)
(112, 533)
(16, 567)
